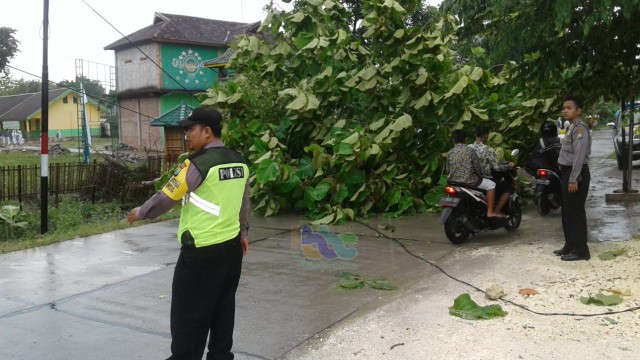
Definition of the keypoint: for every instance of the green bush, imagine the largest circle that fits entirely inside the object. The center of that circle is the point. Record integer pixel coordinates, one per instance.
(10, 219)
(66, 216)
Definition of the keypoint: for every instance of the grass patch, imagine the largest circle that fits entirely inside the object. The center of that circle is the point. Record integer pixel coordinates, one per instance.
(612, 156)
(32, 157)
(80, 231)
(72, 218)
(14, 158)
(72, 143)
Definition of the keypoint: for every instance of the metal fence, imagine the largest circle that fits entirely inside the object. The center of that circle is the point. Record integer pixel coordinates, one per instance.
(156, 165)
(22, 182)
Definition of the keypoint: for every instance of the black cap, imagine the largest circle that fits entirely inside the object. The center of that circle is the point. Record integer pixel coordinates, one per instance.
(204, 115)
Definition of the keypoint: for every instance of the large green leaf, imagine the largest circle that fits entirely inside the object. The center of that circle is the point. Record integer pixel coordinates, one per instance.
(288, 184)
(466, 308)
(602, 299)
(345, 275)
(297, 17)
(380, 284)
(325, 220)
(267, 171)
(458, 87)
(354, 177)
(305, 168)
(351, 139)
(393, 196)
(319, 192)
(345, 149)
(612, 254)
(10, 211)
(352, 284)
(303, 39)
(299, 102)
(342, 193)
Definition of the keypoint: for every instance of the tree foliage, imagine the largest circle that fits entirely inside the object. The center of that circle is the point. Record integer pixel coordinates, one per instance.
(583, 47)
(338, 125)
(8, 47)
(11, 86)
(93, 88)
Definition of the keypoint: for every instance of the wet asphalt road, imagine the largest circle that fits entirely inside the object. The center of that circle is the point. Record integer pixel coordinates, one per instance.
(610, 221)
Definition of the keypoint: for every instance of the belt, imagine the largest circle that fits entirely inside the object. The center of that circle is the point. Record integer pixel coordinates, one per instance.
(188, 243)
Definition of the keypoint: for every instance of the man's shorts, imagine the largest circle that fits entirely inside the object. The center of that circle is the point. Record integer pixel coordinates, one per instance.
(487, 184)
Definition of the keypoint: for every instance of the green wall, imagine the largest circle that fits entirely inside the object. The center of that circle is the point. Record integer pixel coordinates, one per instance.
(184, 64)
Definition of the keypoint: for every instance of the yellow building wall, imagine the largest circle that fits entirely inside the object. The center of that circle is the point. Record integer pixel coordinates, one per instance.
(64, 117)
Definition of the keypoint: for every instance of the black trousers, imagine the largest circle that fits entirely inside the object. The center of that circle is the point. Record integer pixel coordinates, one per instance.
(203, 301)
(574, 217)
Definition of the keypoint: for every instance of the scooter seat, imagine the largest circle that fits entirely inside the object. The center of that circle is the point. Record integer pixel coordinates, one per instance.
(455, 183)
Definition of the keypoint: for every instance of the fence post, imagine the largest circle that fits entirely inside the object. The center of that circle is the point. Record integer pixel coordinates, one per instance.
(57, 180)
(93, 182)
(20, 184)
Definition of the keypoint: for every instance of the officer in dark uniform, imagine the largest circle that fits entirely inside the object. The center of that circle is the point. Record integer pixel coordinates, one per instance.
(575, 179)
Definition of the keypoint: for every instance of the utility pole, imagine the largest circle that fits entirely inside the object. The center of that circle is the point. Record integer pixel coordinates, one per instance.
(44, 127)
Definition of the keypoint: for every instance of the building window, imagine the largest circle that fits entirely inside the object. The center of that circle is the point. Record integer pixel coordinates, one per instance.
(144, 58)
(128, 61)
(75, 99)
(65, 100)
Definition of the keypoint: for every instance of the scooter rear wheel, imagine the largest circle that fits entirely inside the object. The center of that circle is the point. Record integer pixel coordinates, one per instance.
(455, 230)
(515, 215)
(543, 206)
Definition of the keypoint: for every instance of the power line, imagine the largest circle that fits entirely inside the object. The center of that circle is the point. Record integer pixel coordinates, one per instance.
(421, 258)
(105, 100)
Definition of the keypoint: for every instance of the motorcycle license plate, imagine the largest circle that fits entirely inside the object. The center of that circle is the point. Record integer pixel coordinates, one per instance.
(449, 201)
(542, 182)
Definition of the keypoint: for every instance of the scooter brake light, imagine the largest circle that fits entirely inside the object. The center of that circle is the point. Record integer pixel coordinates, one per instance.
(543, 174)
(451, 191)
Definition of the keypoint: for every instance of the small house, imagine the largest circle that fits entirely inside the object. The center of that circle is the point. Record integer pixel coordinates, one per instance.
(24, 112)
(174, 135)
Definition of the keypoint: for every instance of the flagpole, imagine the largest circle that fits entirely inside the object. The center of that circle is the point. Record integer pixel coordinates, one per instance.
(44, 130)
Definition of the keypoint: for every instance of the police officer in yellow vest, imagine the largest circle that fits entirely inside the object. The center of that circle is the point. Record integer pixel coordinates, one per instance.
(575, 179)
(214, 189)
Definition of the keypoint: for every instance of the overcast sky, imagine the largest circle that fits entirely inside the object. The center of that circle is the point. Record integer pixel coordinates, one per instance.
(77, 32)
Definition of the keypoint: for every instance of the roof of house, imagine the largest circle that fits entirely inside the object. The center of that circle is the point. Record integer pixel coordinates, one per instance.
(171, 117)
(24, 106)
(223, 60)
(183, 29)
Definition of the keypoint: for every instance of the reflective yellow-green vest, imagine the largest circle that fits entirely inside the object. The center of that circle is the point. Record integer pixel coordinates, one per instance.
(211, 214)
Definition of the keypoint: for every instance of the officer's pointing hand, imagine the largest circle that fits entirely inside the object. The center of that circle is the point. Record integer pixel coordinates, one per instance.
(133, 215)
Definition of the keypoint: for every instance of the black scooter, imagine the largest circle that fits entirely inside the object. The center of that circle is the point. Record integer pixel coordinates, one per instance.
(546, 172)
(548, 192)
(465, 210)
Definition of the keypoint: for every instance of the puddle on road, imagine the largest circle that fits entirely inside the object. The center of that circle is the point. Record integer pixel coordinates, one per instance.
(609, 221)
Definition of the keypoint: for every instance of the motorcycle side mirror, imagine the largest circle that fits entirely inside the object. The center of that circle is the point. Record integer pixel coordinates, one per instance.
(515, 152)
